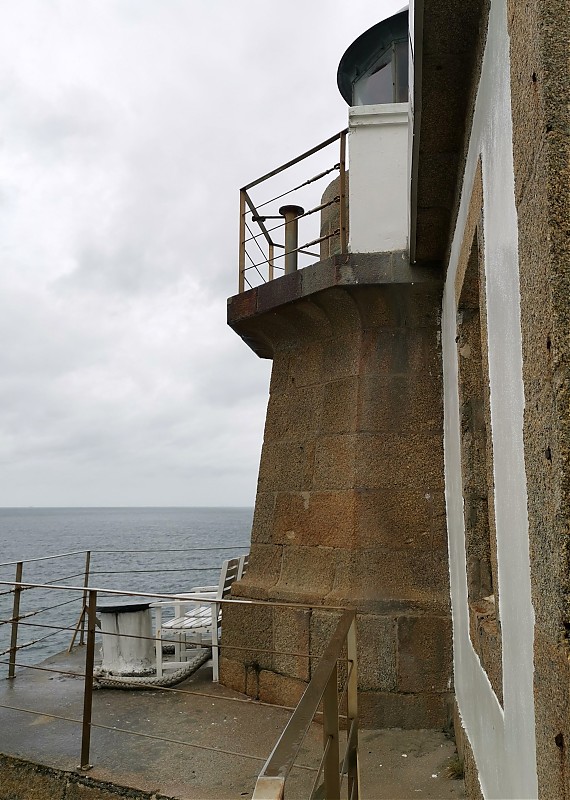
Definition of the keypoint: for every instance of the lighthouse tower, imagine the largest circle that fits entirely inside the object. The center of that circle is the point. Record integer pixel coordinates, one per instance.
(350, 507)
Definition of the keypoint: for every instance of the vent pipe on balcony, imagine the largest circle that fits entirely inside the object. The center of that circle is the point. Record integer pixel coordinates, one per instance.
(291, 214)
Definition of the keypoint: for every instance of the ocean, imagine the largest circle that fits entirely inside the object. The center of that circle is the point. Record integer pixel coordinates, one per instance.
(161, 550)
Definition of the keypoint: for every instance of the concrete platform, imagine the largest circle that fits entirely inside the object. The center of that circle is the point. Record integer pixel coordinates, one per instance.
(394, 763)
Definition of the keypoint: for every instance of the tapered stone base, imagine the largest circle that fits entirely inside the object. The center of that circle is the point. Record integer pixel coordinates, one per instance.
(350, 503)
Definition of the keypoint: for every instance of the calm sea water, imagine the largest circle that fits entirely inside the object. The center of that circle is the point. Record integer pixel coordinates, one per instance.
(179, 536)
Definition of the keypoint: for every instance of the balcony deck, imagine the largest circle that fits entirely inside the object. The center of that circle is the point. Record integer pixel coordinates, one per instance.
(394, 763)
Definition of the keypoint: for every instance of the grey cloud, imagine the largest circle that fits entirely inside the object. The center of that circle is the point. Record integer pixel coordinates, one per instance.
(126, 129)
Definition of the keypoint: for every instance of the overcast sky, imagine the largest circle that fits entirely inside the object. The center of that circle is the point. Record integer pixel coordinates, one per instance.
(126, 129)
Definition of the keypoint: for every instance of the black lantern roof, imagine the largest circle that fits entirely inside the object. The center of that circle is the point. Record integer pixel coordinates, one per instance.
(384, 47)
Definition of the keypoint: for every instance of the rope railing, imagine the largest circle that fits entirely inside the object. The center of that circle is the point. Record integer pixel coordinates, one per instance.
(284, 235)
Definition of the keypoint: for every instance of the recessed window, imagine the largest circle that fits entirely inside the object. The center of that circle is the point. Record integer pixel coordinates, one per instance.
(386, 80)
(374, 69)
(477, 470)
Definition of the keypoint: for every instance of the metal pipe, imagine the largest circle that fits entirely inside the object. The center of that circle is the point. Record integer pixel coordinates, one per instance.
(241, 280)
(330, 732)
(285, 751)
(293, 161)
(86, 584)
(291, 214)
(42, 558)
(15, 619)
(271, 261)
(343, 204)
(181, 597)
(81, 621)
(88, 684)
(255, 214)
(352, 714)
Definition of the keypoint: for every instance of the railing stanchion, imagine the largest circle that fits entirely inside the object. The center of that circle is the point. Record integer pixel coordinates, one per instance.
(88, 686)
(343, 236)
(290, 247)
(15, 619)
(330, 731)
(241, 241)
(86, 584)
(352, 714)
(271, 261)
(82, 616)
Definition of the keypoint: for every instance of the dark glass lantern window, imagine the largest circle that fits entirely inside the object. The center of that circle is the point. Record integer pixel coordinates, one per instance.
(374, 69)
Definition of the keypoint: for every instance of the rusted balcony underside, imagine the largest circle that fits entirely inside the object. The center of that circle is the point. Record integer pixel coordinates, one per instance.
(255, 313)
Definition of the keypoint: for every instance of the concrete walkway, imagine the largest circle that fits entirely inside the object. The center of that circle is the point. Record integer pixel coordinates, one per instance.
(394, 763)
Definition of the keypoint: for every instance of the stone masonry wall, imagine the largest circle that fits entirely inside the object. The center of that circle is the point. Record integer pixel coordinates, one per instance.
(350, 504)
(540, 85)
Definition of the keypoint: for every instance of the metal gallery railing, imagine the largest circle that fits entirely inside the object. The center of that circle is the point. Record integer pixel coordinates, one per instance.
(331, 694)
(322, 689)
(58, 568)
(269, 250)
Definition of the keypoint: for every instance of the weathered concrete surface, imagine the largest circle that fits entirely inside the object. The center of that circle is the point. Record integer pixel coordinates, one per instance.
(350, 502)
(539, 33)
(40, 754)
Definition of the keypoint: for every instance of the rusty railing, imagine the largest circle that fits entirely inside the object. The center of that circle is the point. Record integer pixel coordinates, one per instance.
(85, 564)
(269, 250)
(331, 692)
(322, 689)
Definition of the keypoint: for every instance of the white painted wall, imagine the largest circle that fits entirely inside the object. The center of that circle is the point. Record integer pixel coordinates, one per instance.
(503, 741)
(378, 186)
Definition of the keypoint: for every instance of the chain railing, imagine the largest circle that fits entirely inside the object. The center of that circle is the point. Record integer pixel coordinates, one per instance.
(269, 231)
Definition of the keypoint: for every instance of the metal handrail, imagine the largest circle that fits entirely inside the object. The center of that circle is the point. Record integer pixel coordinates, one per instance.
(322, 687)
(86, 572)
(42, 558)
(172, 596)
(247, 206)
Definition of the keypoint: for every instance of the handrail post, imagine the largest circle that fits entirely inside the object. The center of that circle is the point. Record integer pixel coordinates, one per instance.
(81, 621)
(271, 273)
(88, 685)
(85, 584)
(241, 241)
(291, 214)
(352, 713)
(15, 619)
(330, 731)
(343, 204)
